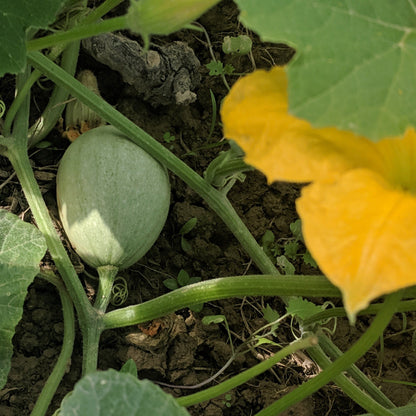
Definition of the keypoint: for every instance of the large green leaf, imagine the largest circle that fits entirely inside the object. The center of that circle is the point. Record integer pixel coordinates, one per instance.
(15, 17)
(110, 393)
(21, 248)
(355, 61)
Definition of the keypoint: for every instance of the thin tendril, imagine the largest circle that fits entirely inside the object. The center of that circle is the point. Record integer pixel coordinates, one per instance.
(119, 292)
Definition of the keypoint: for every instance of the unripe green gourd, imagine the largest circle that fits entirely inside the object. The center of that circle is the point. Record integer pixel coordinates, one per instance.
(113, 198)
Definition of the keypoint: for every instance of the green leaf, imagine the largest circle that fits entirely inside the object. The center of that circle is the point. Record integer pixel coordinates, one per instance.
(44, 144)
(218, 68)
(264, 341)
(194, 279)
(270, 314)
(291, 248)
(171, 284)
(215, 68)
(268, 238)
(226, 168)
(213, 319)
(308, 259)
(168, 138)
(296, 229)
(22, 246)
(188, 226)
(354, 64)
(302, 308)
(129, 367)
(110, 393)
(240, 45)
(183, 277)
(16, 16)
(228, 69)
(186, 245)
(285, 265)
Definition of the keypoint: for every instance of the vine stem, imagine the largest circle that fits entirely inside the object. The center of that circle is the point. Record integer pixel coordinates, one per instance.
(221, 288)
(77, 33)
(20, 160)
(107, 275)
(56, 104)
(319, 354)
(342, 363)
(353, 391)
(246, 375)
(15, 148)
(100, 11)
(91, 338)
(18, 101)
(54, 379)
(88, 317)
(339, 312)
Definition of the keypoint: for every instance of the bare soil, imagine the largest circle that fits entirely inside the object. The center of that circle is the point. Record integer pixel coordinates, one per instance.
(179, 349)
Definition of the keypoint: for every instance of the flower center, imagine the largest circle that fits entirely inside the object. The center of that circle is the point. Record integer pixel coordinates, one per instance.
(399, 161)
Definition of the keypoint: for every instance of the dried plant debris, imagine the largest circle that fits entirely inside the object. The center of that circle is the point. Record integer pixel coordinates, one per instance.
(162, 76)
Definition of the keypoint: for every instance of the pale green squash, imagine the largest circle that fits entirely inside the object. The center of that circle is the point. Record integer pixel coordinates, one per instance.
(113, 198)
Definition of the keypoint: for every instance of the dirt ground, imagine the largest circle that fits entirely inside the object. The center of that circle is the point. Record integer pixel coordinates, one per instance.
(183, 351)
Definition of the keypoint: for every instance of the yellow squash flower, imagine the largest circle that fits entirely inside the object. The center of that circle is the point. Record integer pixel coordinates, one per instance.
(359, 209)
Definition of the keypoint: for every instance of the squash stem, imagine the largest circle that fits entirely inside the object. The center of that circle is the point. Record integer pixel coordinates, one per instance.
(77, 33)
(100, 11)
(56, 104)
(91, 337)
(19, 158)
(246, 375)
(90, 322)
(90, 346)
(220, 288)
(107, 275)
(64, 358)
(326, 350)
(20, 99)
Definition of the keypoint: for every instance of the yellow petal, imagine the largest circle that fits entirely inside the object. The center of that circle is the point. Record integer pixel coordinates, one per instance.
(361, 232)
(399, 160)
(255, 115)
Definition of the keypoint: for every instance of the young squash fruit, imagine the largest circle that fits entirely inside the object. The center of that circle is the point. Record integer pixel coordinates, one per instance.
(113, 198)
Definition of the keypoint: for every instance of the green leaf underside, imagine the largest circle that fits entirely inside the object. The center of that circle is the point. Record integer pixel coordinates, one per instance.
(22, 246)
(110, 393)
(15, 17)
(355, 60)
